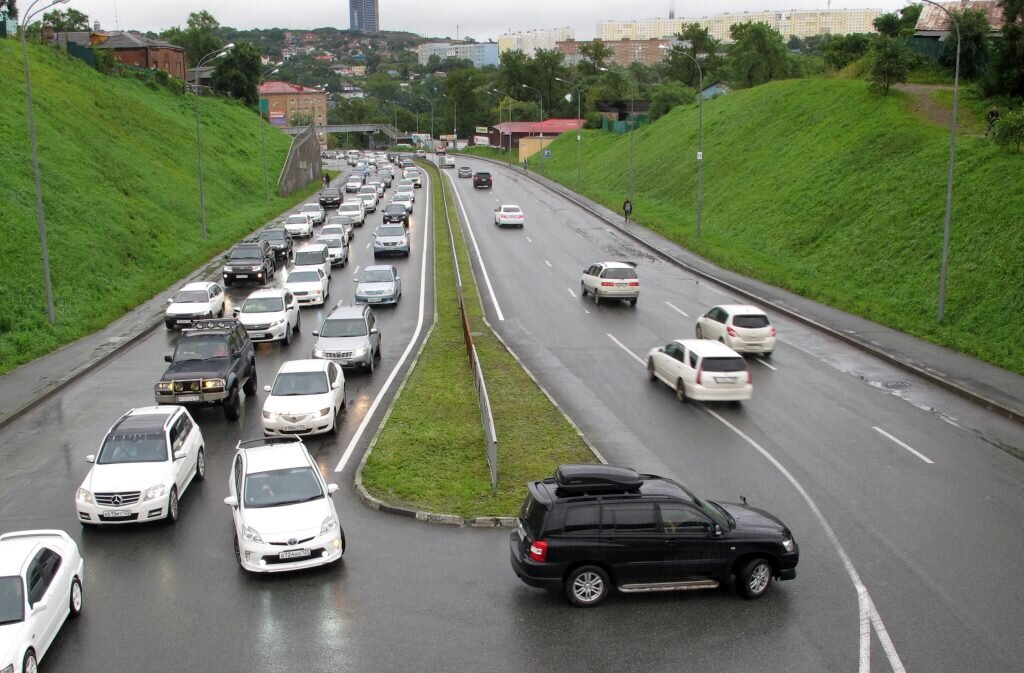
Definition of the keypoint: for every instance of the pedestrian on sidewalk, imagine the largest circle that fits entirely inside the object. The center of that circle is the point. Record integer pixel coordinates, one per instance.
(326, 180)
(993, 117)
(627, 208)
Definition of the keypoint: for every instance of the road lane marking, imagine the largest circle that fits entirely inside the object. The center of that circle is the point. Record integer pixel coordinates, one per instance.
(548, 263)
(905, 446)
(761, 360)
(868, 613)
(529, 240)
(479, 257)
(573, 294)
(676, 308)
(405, 355)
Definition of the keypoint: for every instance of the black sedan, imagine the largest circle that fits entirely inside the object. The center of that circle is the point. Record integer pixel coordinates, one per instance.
(396, 212)
(330, 198)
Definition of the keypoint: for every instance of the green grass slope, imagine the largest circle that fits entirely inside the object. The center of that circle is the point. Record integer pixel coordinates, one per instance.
(120, 192)
(838, 194)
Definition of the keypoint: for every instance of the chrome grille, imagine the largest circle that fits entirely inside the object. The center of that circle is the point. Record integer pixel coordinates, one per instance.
(117, 499)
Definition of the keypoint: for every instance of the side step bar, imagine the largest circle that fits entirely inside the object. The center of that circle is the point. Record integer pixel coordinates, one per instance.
(668, 586)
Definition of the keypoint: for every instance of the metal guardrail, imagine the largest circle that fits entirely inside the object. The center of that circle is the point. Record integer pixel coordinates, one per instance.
(486, 415)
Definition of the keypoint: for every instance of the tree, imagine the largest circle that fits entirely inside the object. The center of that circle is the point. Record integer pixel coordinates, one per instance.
(842, 50)
(669, 96)
(908, 19)
(974, 43)
(1009, 130)
(888, 24)
(1007, 76)
(10, 7)
(702, 47)
(595, 54)
(199, 39)
(238, 73)
(65, 22)
(546, 67)
(758, 55)
(891, 62)
(512, 71)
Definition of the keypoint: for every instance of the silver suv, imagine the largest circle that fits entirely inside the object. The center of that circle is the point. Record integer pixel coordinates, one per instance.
(349, 337)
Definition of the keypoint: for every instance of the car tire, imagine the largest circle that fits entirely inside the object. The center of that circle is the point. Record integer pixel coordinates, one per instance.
(227, 282)
(681, 391)
(221, 313)
(232, 406)
(298, 322)
(265, 279)
(30, 664)
(587, 586)
(632, 302)
(172, 506)
(650, 369)
(699, 332)
(369, 365)
(238, 550)
(376, 353)
(583, 289)
(333, 430)
(250, 386)
(754, 578)
(75, 598)
(200, 465)
(597, 297)
(287, 340)
(766, 355)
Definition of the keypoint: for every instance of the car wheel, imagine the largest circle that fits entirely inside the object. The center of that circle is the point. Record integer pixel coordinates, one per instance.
(766, 355)
(369, 365)
(650, 369)
(169, 326)
(221, 314)
(75, 600)
(238, 550)
(583, 289)
(587, 586)
(333, 430)
(29, 664)
(597, 298)
(172, 506)
(250, 386)
(287, 337)
(265, 279)
(632, 302)
(376, 353)
(700, 332)
(232, 406)
(298, 322)
(200, 465)
(754, 578)
(680, 390)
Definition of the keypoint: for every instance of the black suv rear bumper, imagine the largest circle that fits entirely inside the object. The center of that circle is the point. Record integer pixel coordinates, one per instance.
(534, 574)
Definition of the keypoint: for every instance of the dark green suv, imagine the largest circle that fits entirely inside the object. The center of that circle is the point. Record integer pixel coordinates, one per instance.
(595, 527)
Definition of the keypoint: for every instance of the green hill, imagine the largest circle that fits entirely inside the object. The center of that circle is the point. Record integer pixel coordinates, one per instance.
(838, 194)
(120, 192)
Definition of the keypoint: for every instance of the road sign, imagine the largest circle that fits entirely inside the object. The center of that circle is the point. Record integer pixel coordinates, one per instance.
(547, 154)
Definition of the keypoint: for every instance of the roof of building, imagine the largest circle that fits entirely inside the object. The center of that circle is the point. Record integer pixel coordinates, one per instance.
(933, 21)
(285, 87)
(548, 126)
(124, 40)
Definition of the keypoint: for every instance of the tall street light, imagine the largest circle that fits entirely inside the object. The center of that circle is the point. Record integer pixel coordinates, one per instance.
(199, 142)
(632, 124)
(700, 131)
(510, 101)
(263, 140)
(539, 95)
(952, 162)
(579, 132)
(40, 215)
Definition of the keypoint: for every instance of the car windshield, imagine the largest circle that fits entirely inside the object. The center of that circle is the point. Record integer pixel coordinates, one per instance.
(399, 209)
(713, 510)
(191, 296)
(304, 277)
(281, 487)
(332, 192)
(272, 235)
(309, 258)
(263, 305)
(134, 447)
(12, 600)
(201, 347)
(343, 327)
(296, 219)
(331, 241)
(300, 383)
(723, 365)
(391, 231)
(750, 321)
(510, 209)
(619, 273)
(377, 276)
(310, 208)
(350, 207)
(246, 253)
(368, 189)
(403, 196)
(340, 219)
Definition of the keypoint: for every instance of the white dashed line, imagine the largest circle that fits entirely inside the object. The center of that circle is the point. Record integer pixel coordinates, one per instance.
(762, 361)
(528, 239)
(677, 309)
(908, 448)
(548, 263)
(571, 293)
(623, 347)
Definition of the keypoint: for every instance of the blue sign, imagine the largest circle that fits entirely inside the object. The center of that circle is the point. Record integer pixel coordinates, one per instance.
(547, 154)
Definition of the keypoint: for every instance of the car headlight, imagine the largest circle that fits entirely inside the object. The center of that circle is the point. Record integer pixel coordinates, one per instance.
(324, 412)
(83, 496)
(358, 352)
(269, 415)
(318, 352)
(788, 544)
(154, 492)
(251, 535)
(278, 323)
(165, 387)
(329, 524)
(404, 241)
(229, 269)
(212, 383)
(256, 268)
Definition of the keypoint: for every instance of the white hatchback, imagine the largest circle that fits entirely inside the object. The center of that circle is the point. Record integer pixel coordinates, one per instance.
(306, 398)
(611, 280)
(270, 315)
(192, 302)
(745, 329)
(283, 512)
(701, 370)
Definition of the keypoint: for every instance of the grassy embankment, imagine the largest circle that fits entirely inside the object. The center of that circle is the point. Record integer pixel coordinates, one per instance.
(120, 192)
(835, 193)
(431, 453)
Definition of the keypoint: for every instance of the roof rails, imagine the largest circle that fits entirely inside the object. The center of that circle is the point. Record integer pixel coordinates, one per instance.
(584, 479)
(213, 323)
(268, 441)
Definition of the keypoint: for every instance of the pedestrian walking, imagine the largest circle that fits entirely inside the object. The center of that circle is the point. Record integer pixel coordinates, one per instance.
(326, 180)
(993, 117)
(627, 208)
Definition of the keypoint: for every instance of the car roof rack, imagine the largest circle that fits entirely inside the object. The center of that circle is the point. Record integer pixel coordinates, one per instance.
(268, 441)
(212, 323)
(593, 479)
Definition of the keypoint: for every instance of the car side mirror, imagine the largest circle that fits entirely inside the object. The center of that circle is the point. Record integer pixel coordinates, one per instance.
(332, 489)
(170, 300)
(180, 453)
(168, 358)
(266, 389)
(231, 501)
(315, 333)
(38, 607)
(374, 330)
(91, 458)
(661, 350)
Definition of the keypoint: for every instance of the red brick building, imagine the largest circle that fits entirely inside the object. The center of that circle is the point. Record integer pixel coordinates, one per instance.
(132, 49)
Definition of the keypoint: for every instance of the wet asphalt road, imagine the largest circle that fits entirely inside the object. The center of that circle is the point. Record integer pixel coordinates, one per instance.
(935, 546)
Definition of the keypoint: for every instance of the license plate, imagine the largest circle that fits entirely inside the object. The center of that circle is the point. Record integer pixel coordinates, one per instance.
(188, 398)
(373, 300)
(117, 513)
(291, 428)
(181, 321)
(242, 275)
(621, 285)
(725, 379)
(294, 553)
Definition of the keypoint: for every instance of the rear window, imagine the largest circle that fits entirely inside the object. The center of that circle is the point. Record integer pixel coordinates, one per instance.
(532, 514)
(724, 365)
(618, 273)
(483, 175)
(750, 321)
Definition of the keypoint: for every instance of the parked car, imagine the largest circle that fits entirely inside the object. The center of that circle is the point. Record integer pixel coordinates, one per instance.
(465, 172)
(391, 239)
(743, 328)
(41, 578)
(279, 239)
(310, 285)
(378, 284)
(249, 261)
(315, 212)
(306, 398)
(593, 528)
(278, 497)
(194, 301)
(271, 314)
(146, 461)
(349, 336)
(299, 225)
(611, 280)
(509, 215)
(701, 370)
(482, 180)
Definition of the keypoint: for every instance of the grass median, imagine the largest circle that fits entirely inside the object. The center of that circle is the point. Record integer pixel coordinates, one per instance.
(431, 454)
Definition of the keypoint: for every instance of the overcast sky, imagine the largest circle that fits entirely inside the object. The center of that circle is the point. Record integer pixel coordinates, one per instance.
(458, 18)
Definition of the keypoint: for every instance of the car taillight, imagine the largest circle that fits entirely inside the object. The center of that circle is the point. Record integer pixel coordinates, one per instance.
(539, 551)
(730, 331)
(700, 373)
(607, 283)
(772, 332)
(634, 283)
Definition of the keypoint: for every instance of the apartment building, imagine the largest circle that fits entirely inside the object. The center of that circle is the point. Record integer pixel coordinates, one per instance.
(530, 41)
(293, 104)
(480, 53)
(648, 52)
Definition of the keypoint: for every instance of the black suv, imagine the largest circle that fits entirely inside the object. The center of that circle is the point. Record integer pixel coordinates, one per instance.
(482, 179)
(280, 241)
(252, 260)
(213, 364)
(330, 197)
(594, 527)
(396, 213)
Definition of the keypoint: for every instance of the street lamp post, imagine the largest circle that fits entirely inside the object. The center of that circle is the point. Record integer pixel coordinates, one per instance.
(263, 139)
(40, 214)
(579, 132)
(510, 101)
(199, 142)
(700, 134)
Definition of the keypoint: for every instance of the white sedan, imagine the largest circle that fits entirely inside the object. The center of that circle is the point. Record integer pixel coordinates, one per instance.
(306, 398)
(299, 225)
(310, 286)
(509, 215)
(147, 460)
(270, 315)
(282, 509)
(192, 302)
(315, 212)
(41, 575)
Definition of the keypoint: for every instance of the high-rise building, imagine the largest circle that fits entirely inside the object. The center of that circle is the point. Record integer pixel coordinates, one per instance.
(530, 41)
(364, 15)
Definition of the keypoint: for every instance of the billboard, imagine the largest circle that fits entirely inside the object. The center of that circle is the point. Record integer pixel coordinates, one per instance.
(278, 119)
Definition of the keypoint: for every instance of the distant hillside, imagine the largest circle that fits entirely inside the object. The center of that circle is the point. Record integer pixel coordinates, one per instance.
(120, 191)
(838, 194)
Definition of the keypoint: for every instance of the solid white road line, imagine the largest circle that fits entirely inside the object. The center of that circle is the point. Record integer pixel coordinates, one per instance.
(528, 239)
(623, 347)
(676, 308)
(908, 448)
(761, 360)
(548, 263)
(479, 257)
(405, 355)
(571, 293)
(869, 617)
